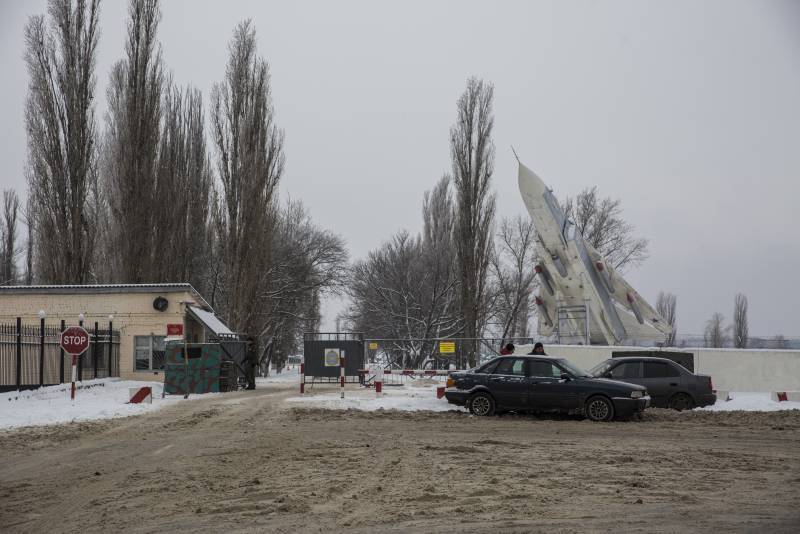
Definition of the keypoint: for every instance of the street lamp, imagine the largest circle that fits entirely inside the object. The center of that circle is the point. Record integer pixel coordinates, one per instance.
(41, 347)
(81, 317)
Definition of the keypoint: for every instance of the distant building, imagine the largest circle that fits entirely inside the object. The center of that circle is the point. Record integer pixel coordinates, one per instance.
(144, 314)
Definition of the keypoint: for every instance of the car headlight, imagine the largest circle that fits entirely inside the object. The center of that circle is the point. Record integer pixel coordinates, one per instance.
(637, 394)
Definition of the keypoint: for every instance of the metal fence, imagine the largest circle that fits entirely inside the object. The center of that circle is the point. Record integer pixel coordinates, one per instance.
(31, 355)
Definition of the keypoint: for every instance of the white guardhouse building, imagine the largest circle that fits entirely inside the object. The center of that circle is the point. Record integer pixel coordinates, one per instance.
(144, 314)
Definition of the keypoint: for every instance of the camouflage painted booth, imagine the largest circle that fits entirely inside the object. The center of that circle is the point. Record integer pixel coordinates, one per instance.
(205, 369)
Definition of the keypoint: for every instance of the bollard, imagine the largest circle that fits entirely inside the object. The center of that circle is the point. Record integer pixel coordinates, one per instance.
(302, 378)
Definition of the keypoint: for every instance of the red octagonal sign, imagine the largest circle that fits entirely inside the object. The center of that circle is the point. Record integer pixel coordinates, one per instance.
(75, 340)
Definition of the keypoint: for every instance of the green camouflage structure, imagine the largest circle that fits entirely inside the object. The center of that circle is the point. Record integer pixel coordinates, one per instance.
(199, 373)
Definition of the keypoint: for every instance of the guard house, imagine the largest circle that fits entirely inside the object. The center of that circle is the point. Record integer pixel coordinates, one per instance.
(144, 314)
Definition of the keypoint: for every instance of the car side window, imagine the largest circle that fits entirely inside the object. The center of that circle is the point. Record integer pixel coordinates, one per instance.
(539, 368)
(655, 370)
(671, 370)
(510, 366)
(626, 370)
(489, 367)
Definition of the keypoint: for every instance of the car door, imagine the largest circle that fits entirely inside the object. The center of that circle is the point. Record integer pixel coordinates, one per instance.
(508, 383)
(627, 371)
(547, 390)
(658, 378)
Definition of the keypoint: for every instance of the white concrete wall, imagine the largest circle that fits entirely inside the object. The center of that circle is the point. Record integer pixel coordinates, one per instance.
(730, 369)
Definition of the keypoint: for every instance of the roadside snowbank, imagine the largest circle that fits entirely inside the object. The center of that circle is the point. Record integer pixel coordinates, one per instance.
(419, 397)
(751, 402)
(97, 399)
(409, 398)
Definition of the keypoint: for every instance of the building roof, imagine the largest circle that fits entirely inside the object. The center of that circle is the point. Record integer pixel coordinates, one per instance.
(77, 289)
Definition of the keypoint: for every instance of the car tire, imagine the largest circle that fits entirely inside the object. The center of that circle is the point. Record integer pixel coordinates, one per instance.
(482, 404)
(599, 408)
(680, 402)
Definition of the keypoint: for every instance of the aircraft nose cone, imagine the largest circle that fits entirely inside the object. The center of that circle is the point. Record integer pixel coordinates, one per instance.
(530, 185)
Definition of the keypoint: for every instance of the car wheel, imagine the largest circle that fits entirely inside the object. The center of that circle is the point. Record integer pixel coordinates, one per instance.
(681, 401)
(599, 409)
(482, 404)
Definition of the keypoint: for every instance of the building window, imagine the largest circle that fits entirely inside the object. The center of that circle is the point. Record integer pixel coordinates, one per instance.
(148, 353)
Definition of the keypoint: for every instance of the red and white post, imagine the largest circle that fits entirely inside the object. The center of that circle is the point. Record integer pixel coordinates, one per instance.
(341, 374)
(74, 374)
(302, 378)
(378, 381)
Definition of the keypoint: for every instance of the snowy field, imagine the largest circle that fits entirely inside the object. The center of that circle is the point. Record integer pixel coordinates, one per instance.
(97, 399)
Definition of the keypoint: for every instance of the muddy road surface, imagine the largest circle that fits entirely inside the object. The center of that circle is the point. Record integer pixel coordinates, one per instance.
(248, 462)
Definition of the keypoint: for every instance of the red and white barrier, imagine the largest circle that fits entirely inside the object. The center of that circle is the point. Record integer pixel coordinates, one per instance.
(302, 378)
(139, 395)
(409, 372)
(783, 396)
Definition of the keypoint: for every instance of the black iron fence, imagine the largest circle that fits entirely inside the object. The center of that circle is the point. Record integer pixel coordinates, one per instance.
(31, 355)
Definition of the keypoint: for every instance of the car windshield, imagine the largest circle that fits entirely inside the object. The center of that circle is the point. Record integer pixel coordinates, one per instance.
(571, 368)
(601, 368)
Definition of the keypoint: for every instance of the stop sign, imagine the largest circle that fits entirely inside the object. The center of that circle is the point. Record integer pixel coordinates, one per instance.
(75, 340)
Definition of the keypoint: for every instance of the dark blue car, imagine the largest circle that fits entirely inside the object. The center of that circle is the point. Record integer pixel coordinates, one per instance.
(543, 384)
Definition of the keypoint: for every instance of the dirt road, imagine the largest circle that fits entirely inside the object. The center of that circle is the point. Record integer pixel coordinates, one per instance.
(248, 462)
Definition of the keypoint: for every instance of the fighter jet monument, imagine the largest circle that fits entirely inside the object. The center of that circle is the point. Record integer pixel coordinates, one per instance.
(582, 298)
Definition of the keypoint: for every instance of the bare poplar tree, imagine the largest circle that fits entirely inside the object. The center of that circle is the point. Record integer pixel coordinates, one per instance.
(600, 222)
(740, 327)
(183, 191)
(131, 145)
(513, 275)
(60, 52)
(250, 162)
(666, 306)
(9, 249)
(472, 154)
(715, 335)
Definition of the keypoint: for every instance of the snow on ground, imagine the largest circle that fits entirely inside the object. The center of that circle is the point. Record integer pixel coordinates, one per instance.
(414, 397)
(97, 399)
(751, 402)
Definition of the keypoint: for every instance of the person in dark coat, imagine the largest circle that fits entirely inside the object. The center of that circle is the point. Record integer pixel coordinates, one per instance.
(538, 350)
(507, 349)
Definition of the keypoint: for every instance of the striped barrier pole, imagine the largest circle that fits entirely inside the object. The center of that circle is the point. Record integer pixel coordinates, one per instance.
(341, 373)
(74, 374)
(302, 378)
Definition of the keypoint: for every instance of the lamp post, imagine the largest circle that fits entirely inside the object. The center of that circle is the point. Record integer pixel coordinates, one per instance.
(42, 315)
(110, 345)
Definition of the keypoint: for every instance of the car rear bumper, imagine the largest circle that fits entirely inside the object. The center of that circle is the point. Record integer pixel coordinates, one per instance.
(456, 396)
(706, 399)
(625, 407)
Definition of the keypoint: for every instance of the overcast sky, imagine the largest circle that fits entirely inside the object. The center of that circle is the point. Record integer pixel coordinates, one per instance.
(688, 111)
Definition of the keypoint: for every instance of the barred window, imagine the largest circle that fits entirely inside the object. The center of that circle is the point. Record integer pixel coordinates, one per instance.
(148, 353)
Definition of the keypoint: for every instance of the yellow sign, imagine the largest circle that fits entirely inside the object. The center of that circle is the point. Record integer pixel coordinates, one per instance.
(373, 345)
(447, 347)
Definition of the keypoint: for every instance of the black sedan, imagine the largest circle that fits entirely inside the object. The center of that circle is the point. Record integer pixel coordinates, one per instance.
(543, 384)
(670, 385)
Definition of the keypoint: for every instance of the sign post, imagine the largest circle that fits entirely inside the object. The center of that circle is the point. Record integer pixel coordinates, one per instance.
(74, 341)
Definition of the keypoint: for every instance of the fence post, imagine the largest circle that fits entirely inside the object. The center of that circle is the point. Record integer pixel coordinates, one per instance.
(61, 358)
(110, 346)
(94, 350)
(19, 352)
(41, 348)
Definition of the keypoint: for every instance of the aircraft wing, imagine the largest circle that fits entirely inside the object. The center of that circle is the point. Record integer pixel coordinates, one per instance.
(634, 311)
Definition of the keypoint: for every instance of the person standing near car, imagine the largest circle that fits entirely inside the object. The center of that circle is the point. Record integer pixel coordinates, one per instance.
(507, 349)
(538, 350)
